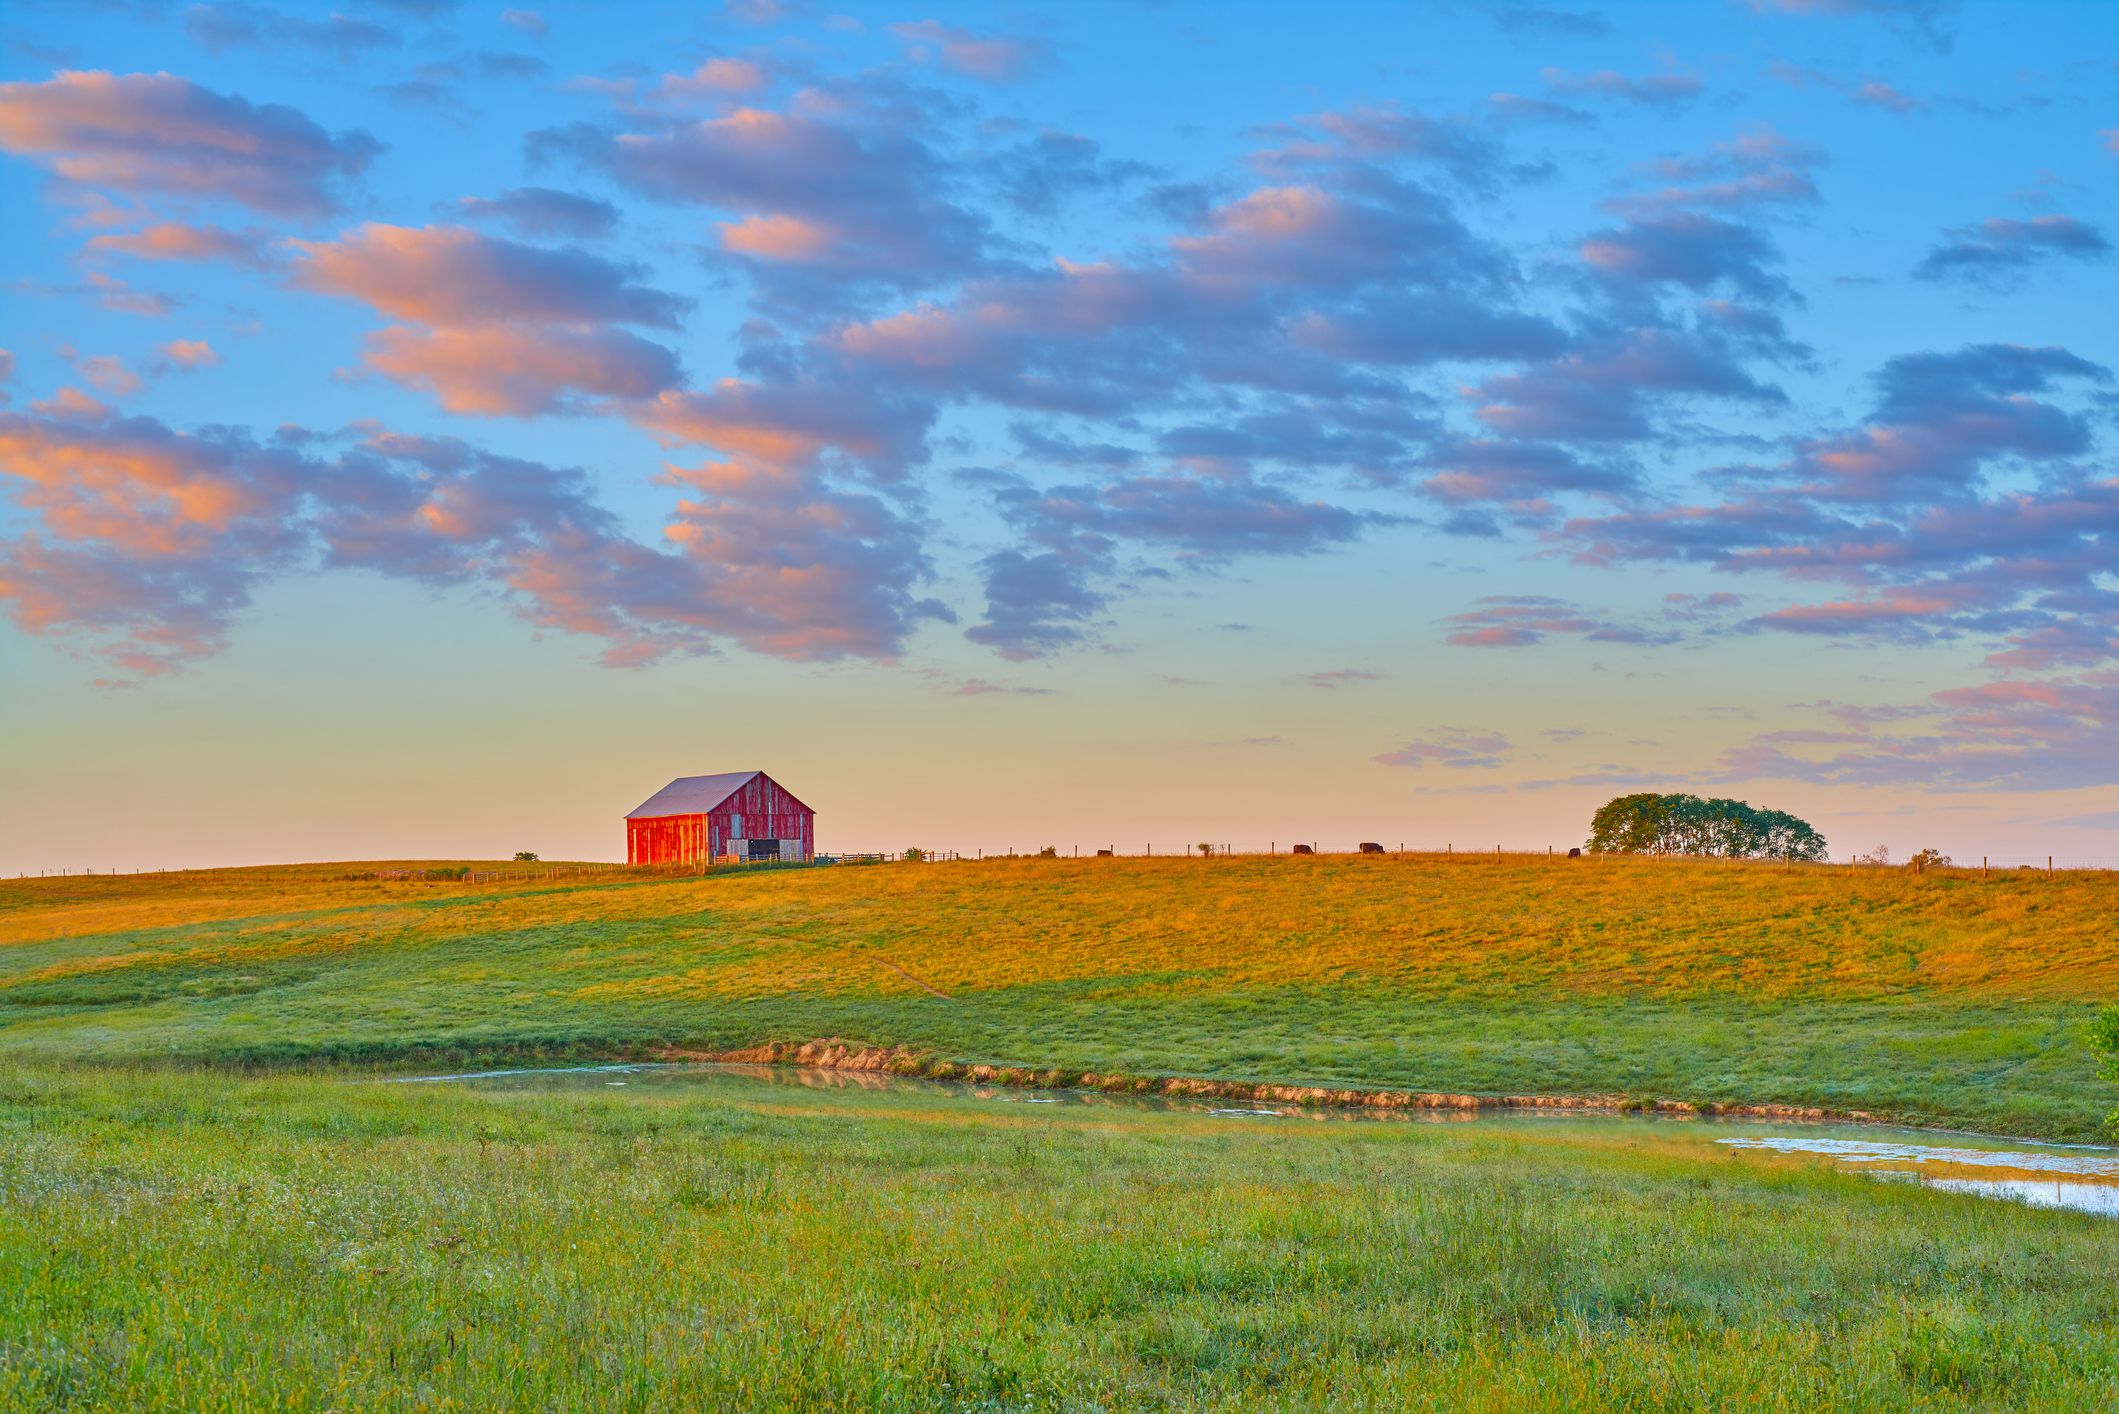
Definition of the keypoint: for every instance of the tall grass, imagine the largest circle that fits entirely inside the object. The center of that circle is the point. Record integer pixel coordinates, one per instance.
(180, 1240)
(1941, 997)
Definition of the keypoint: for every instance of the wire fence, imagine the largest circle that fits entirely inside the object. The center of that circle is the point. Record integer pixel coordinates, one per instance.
(1995, 866)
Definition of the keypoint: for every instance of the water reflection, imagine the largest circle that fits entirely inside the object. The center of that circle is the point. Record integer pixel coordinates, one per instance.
(2077, 1177)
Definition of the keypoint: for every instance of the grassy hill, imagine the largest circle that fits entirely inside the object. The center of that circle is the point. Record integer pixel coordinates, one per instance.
(1939, 997)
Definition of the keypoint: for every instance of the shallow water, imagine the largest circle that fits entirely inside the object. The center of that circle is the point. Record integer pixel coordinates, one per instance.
(2074, 1176)
(2079, 1177)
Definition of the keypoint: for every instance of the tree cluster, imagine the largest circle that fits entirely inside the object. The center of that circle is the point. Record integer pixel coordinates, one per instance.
(1686, 824)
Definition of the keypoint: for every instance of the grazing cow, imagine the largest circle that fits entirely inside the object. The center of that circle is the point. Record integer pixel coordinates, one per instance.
(1304, 849)
(1574, 853)
(1370, 847)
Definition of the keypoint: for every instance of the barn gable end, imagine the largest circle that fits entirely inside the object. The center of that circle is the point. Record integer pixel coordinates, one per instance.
(737, 814)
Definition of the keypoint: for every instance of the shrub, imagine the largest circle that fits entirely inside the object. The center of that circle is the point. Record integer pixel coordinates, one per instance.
(1929, 859)
(914, 855)
(525, 856)
(1049, 852)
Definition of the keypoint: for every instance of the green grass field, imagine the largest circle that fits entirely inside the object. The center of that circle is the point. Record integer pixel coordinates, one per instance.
(1940, 998)
(207, 1201)
(190, 1241)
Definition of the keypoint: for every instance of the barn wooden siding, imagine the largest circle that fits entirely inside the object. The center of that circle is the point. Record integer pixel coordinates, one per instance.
(759, 809)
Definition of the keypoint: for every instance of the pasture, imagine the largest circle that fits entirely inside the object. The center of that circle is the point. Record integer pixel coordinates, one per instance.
(184, 1240)
(1938, 998)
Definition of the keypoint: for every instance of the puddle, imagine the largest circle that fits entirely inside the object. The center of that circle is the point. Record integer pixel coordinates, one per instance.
(2073, 1176)
(2079, 1177)
(622, 1069)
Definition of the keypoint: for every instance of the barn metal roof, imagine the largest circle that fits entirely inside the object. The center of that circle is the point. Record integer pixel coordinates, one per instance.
(692, 795)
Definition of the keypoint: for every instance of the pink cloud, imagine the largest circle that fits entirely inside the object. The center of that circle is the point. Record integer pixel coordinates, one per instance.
(718, 78)
(985, 56)
(157, 133)
(447, 275)
(497, 370)
(778, 238)
(512, 328)
(109, 374)
(174, 240)
(791, 425)
(188, 354)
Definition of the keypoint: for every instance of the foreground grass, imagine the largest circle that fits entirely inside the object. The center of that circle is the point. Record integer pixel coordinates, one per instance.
(1942, 998)
(176, 1240)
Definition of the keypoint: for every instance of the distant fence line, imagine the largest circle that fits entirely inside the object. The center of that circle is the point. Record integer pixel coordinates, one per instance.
(2047, 865)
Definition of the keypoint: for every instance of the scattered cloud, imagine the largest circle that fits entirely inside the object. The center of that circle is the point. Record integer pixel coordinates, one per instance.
(157, 134)
(187, 355)
(995, 58)
(979, 687)
(1451, 748)
(230, 23)
(493, 326)
(2000, 252)
(1667, 91)
(545, 212)
(1550, 19)
(1519, 620)
(1926, 24)
(530, 22)
(173, 240)
(148, 542)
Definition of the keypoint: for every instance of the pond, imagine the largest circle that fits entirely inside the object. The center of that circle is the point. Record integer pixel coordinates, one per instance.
(2079, 1177)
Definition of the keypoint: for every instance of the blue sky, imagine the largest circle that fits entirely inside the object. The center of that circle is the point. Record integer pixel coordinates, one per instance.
(428, 427)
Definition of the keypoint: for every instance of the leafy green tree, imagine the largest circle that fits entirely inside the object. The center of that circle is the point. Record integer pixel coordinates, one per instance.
(1648, 823)
(1630, 824)
(1783, 836)
(525, 856)
(2104, 1041)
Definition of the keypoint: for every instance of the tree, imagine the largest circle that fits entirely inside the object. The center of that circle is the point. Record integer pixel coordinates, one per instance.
(1647, 823)
(1630, 824)
(2104, 1043)
(525, 856)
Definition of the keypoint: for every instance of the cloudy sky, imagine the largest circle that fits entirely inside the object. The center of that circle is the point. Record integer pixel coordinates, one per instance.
(427, 427)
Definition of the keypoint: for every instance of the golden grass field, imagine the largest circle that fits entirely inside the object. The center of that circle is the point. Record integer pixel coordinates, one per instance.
(1938, 996)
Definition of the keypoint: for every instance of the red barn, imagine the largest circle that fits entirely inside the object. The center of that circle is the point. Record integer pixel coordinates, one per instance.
(736, 815)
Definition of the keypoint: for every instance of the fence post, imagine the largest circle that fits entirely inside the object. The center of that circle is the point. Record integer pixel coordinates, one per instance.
(1982, 866)
(2049, 866)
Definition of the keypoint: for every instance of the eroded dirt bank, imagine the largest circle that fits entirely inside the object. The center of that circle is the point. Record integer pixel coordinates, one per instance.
(835, 1054)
